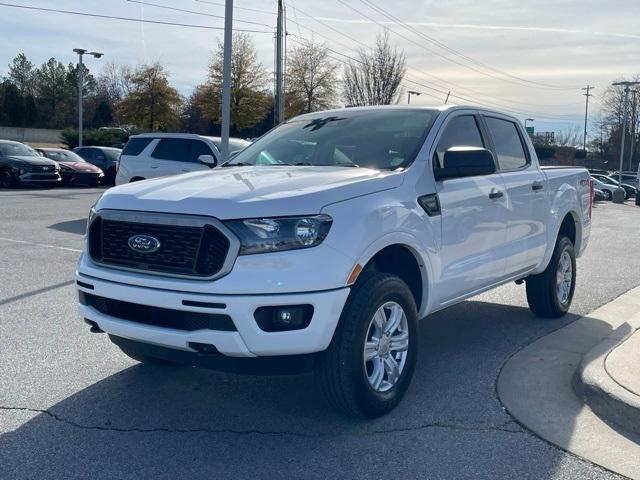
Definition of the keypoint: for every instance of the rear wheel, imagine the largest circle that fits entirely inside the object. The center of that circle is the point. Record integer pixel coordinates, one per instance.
(550, 293)
(368, 366)
(7, 179)
(607, 195)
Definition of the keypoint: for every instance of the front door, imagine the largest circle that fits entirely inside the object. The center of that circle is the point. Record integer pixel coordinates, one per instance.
(473, 212)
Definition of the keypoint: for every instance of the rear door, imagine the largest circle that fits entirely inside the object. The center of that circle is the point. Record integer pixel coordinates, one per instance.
(473, 212)
(526, 194)
(179, 155)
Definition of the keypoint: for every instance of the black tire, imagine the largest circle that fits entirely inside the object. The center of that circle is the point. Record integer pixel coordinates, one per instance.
(145, 359)
(7, 179)
(608, 196)
(638, 199)
(341, 372)
(542, 289)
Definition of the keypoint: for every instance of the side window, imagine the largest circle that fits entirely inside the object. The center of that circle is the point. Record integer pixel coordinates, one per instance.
(135, 146)
(507, 142)
(176, 149)
(85, 153)
(199, 148)
(462, 131)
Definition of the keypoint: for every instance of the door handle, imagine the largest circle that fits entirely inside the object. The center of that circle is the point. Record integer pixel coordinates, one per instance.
(535, 186)
(154, 166)
(495, 193)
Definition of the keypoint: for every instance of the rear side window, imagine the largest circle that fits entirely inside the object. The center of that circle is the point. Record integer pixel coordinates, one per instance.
(176, 149)
(507, 142)
(85, 153)
(199, 148)
(462, 131)
(135, 146)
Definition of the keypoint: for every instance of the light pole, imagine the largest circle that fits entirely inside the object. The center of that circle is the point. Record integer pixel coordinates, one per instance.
(627, 88)
(81, 52)
(588, 88)
(412, 92)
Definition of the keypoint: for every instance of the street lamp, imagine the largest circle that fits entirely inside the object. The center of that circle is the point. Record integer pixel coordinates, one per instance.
(412, 92)
(81, 52)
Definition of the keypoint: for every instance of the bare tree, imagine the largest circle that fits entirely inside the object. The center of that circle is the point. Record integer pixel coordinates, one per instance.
(311, 79)
(114, 82)
(374, 77)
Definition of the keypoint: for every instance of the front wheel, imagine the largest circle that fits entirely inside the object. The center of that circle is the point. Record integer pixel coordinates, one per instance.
(607, 195)
(550, 293)
(367, 368)
(7, 179)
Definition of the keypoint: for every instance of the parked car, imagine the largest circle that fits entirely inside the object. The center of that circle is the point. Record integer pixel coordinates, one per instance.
(21, 164)
(152, 155)
(323, 243)
(606, 188)
(599, 171)
(630, 190)
(74, 170)
(638, 187)
(598, 195)
(105, 158)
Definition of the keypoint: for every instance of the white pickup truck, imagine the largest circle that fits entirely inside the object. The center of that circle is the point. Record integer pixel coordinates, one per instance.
(322, 244)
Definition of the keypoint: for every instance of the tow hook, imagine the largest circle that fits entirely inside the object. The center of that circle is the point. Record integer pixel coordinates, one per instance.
(520, 281)
(94, 326)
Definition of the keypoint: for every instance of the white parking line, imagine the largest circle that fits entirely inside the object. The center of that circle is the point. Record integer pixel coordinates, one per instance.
(43, 245)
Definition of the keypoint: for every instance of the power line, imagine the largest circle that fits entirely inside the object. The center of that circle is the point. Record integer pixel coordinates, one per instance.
(127, 19)
(447, 84)
(196, 12)
(506, 108)
(459, 54)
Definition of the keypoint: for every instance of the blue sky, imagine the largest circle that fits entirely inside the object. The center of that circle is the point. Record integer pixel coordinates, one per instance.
(530, 57)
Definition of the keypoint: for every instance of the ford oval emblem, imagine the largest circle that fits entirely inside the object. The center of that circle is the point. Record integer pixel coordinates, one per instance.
(144, 244)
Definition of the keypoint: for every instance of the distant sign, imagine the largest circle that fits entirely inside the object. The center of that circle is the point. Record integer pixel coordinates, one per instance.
(530, 130)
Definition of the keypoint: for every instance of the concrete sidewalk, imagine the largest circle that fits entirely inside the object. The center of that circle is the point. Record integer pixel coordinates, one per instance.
(608, 378)
(536, 385)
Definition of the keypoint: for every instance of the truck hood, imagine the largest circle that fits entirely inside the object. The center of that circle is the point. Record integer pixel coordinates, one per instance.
(247, 192)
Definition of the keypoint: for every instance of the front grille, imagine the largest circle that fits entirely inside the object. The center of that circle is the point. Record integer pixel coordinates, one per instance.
(185, 250)
(156, 316)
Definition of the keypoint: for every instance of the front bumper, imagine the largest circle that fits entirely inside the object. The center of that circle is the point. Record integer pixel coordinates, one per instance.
(52, 177)
(248, 341)
(82, 178)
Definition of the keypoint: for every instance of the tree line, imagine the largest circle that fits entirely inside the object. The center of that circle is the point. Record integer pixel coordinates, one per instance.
(143, 98)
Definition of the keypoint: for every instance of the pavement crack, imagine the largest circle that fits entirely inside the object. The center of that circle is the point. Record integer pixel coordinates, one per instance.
(507, 427)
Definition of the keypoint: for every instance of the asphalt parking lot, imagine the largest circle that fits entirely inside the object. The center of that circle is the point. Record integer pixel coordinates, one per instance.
(73, 406)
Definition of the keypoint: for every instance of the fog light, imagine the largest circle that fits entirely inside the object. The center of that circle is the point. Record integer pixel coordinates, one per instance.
(204, 348)
(283, 318)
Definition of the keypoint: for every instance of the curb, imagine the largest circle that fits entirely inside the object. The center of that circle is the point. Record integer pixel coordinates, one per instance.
(606, 397)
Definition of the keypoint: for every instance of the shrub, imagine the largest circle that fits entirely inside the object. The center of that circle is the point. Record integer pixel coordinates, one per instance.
(97, 138)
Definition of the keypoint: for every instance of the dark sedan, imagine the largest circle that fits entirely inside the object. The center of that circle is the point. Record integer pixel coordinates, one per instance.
(74, 170)
(22, 164)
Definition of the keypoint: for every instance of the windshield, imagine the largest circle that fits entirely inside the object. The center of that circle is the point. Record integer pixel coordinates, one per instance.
(63, 156)
(382, 139)
(8, 149)
(112, 153)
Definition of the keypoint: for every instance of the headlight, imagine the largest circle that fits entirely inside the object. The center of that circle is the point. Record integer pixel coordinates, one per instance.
(262, 235)
(92, 214)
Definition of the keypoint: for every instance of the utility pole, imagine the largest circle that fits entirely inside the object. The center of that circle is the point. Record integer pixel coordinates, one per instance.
(626, 86)
(447, 99)
(226, 80)
(634, 106)
(279, 74)
(586, 114)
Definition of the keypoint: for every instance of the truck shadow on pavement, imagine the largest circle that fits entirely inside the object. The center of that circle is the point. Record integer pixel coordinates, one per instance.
(175, 422)
(71, 226)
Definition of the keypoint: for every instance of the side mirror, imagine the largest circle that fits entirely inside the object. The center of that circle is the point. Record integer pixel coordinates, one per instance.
(465, 162)
(207, 160)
